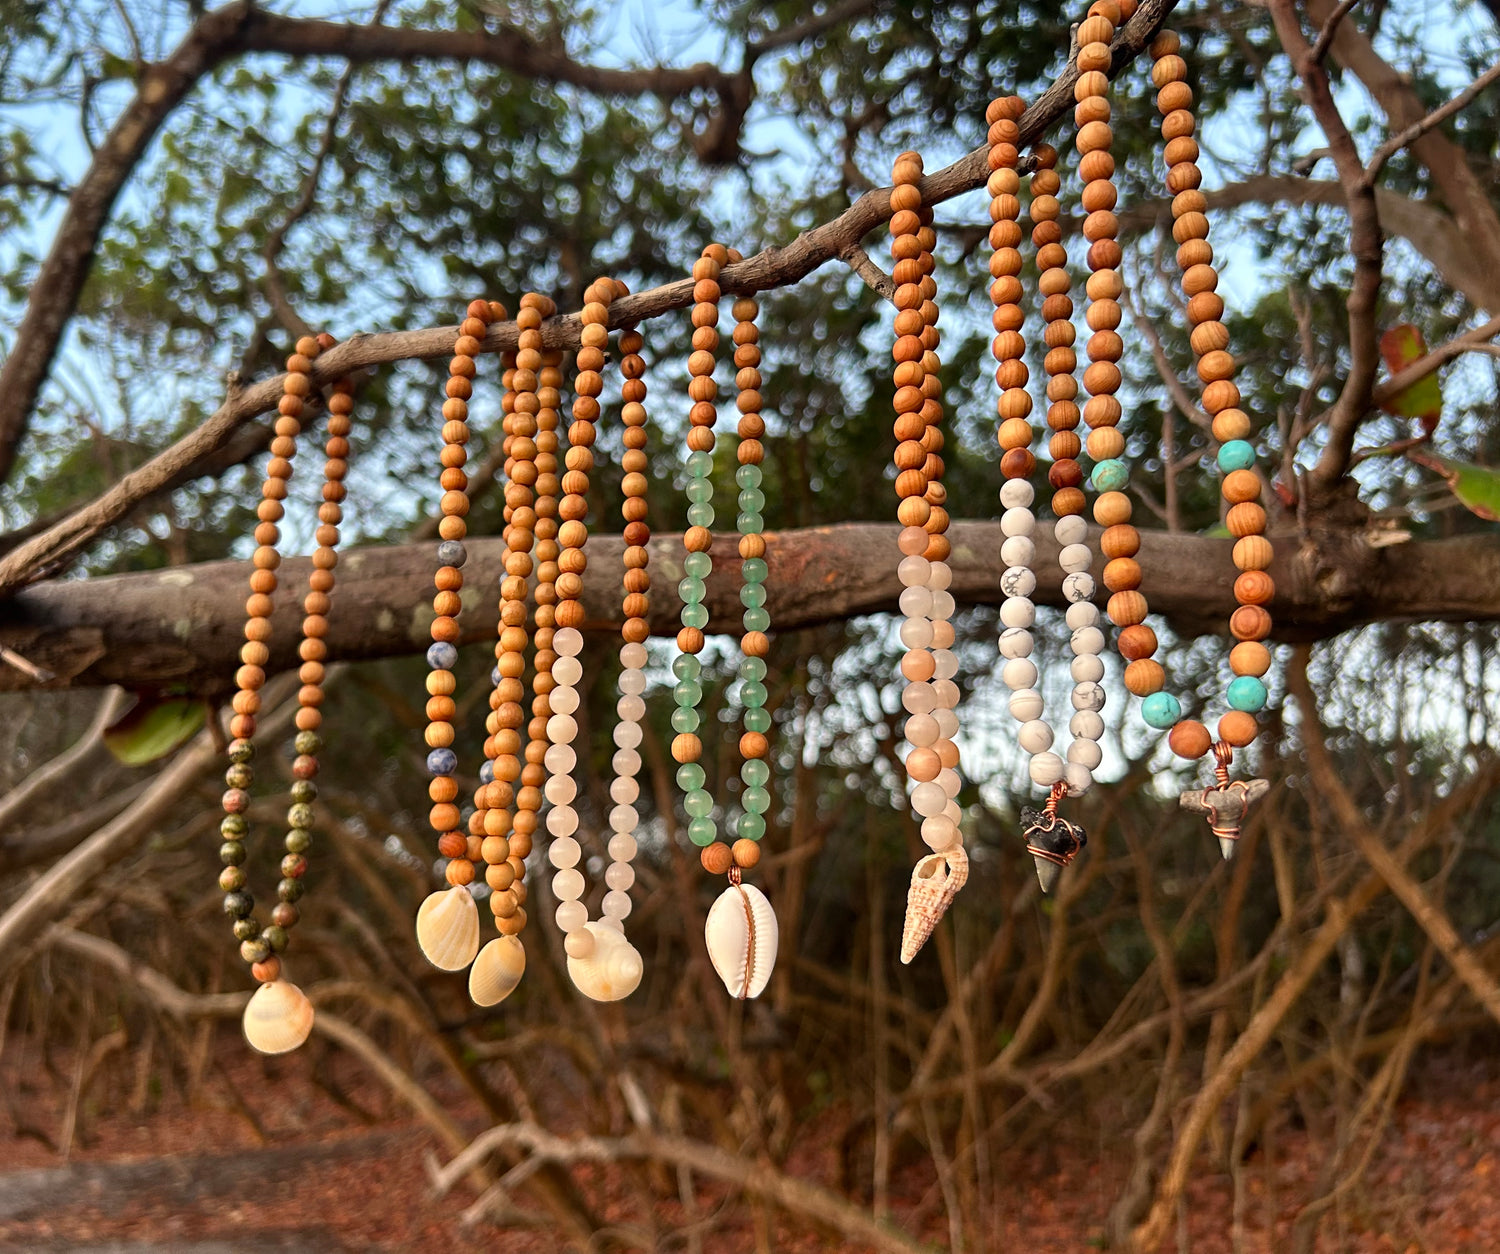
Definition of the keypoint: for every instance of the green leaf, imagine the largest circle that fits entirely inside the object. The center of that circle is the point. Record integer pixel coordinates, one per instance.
(153, 727)
(1400, 346)
(1477, 487)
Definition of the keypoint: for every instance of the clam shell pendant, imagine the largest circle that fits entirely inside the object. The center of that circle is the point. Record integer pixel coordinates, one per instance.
(278, 1017)
(610, 970)
(497, 971)
(741, 935)
(448, 928)
(935, 882)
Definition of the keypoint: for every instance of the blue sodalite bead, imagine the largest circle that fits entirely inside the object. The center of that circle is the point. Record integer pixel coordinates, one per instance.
(442, 762)
(441, 656)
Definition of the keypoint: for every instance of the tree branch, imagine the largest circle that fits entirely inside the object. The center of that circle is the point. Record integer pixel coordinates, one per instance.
(1330, 29)
(1439, 115)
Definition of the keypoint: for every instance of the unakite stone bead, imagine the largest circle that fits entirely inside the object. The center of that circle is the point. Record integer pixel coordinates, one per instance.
(700, 514)
(695, 616)
(1110, 475)
(1247, 693)
(691, 590)
(750, 826)
(757, 719)
(245, 929)
(304, 790)
(299, 816)
(753, 693)
(684, 719)
(690, 777)
(686, 666)
(757, 619)
(748, 476)
(298, 840)
(1161, 709)
(754, 569)
(755, 772)
(698, 565)
(307, 742)
(703, 831)
(753, 668)
(232, 853)
(275, 936)
(756, 800)
(698, 803)
(1236, 455)
(233, 826)
(687, 692)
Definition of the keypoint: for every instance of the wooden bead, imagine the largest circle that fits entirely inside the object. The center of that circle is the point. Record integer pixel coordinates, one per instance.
(1250, 622)
(1125, 609)
(1111, 509)
(1253, 552)
(686, 747)
(1240, 485)
(1068, 501)
(746, 853)
(1136, 641)
(716, 858)
(1123, 574)
(1145, 676)
(1254, 587)
(1230, 424)
(1105, 443)
(1238, 728)
(1250, 657)
(1219, 395)
(1122, 540)
(1245, 519)
(754, 745)
(1189, 739)
(1215, 365)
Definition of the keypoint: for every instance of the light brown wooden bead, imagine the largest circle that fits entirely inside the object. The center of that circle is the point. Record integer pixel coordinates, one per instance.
(1174, 96)
(1189, 739)
(1250, 657)
(1216, 366)
(686, 747)
(1105, 443)
(1238, 728)
(716, 858)
(1231, 424)
(1136, 642)
(1068, 501)
(746, 853)
(1095, 30)
(1145, 676)
(1245, 519)
(1122, 540)
(1240, 485)
(1199, 278)
(1090, 83)
(754, 745)
(1250, 622)
(1111, 509)
(1220, 394)
(1094, 56)
(1208, 337)
(1122, 574)
(1125, 609)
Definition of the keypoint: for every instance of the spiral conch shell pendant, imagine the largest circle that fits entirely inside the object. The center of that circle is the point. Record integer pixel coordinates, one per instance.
(935, 882)
(741, 935)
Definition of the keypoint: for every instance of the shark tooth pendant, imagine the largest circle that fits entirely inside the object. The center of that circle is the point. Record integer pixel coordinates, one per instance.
(1226, 805)
(935, 882)
(1052, 843)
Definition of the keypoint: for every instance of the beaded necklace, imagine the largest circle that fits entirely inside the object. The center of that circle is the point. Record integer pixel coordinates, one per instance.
(279, 1016)
(741, 931)
(601, 962)
(1225, 802)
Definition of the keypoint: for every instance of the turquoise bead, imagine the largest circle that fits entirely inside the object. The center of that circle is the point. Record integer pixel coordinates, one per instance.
(747, 476)
(1247, 693)
(687, 666)
(698, 804)
(753, 693)
(700, 514)
(1236, 455)
(687, 693)
(757, 719)
(749, 524)
(700, 464)
(1110, 475)
(684, 719)
(691, 590)
(700, 490)
(1161, 710)
(750, 826)
(754, 569)
(757, 620)
(698, 565)
(703, 831)
(756, 800)
(752, 500)
(755, 772)
(752, 595)
(695, 616)
(752, 668)
(690, 777)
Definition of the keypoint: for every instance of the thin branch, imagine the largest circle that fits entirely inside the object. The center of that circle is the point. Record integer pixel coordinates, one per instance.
(1414, 372)
(1439, 115)
(809, 28)
(24, 795)
(876, 279)
(1330, 29)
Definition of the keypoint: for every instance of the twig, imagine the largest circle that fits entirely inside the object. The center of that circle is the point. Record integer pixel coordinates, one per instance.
(1416, 130)
(876, 279)
(38, 673)
(1425, 365)
(1330, 29)
(23, 796)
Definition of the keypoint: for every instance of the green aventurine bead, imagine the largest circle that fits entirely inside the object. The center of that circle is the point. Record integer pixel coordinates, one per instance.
(690, 777)
(691, 590)
(698, 804)
(752, 668)
(684, 719)
(1110, 475)
(687, 692)
(703, 831)
(700, 490)
(700, 464)
(752, 500)
(700, 514)
(755, 772)
(757, 619)
(757, 720)
(749, 524)
(756, 800)
(750, 826)
(695, 616)
(753, 595)
(698, 565)
(754, 569)
(752, 692)
(747, 476)
(686, 666)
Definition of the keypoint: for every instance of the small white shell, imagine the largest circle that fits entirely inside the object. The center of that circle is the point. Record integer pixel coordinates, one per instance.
(448, 928)
(497, 971)
(278, 1017)
(741, 935)
(935, 882)
(612, 970)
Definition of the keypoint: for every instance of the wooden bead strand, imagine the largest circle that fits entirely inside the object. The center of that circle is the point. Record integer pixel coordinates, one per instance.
(930, 695)
(601, 962)
(740, 931)
(279, 1016)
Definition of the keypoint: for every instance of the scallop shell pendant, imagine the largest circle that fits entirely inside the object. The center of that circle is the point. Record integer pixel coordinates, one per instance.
(448, 928)
(935, 882)
(741, 935)
(278, 1017)
(497, 971)
(612, 967)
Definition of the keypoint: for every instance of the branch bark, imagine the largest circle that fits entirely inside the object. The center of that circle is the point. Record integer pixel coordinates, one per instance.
(183, 625)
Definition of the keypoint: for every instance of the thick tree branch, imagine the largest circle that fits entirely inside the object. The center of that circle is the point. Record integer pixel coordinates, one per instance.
(183, 625)
(775, 267)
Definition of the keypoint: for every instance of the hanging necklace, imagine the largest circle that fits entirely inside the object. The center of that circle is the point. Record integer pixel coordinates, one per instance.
(601, 962)
(741, 930)
(279, 1016)
(1225, 802)
(931, 695)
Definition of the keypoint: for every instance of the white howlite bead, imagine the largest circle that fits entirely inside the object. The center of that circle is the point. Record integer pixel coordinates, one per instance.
(616, 905)
(564, 700)
(1016, 493)
(1070, 529)
(1074, 557)
(1018, 581)
(1086, 725)
(949, 781)
(626, 762)
(571, 915)
(928, 799)
(939, 833)
(1018, 551)
(564, 852)
(1025, 705)
(567, 884)
(631, 708)
(1079, 778)
(1087, 640)
(1079, 586)
(913, 571)
(623, 818)
(1035, 736)
(946, 693)
(915, 602)
(952, 812)
(1018, 673)
(1018, 522)
(560, 789)
(1088, 697)
(1085, 753)
(1082, 614)
(916, 633)
(1088, 667)
(562, 820)
(940, 578)
(562, 729)
(632, 682)
(1017, 612)
(622, 846)
(559, 759)
(567, 642)
(1015, 642)
(943, 604)
(619, 875)
(567, 670)
(1046, 769)
(628, 735)
(632, 654)
(947, 721)
(624, 790)
(921, 730)
(918, 698)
